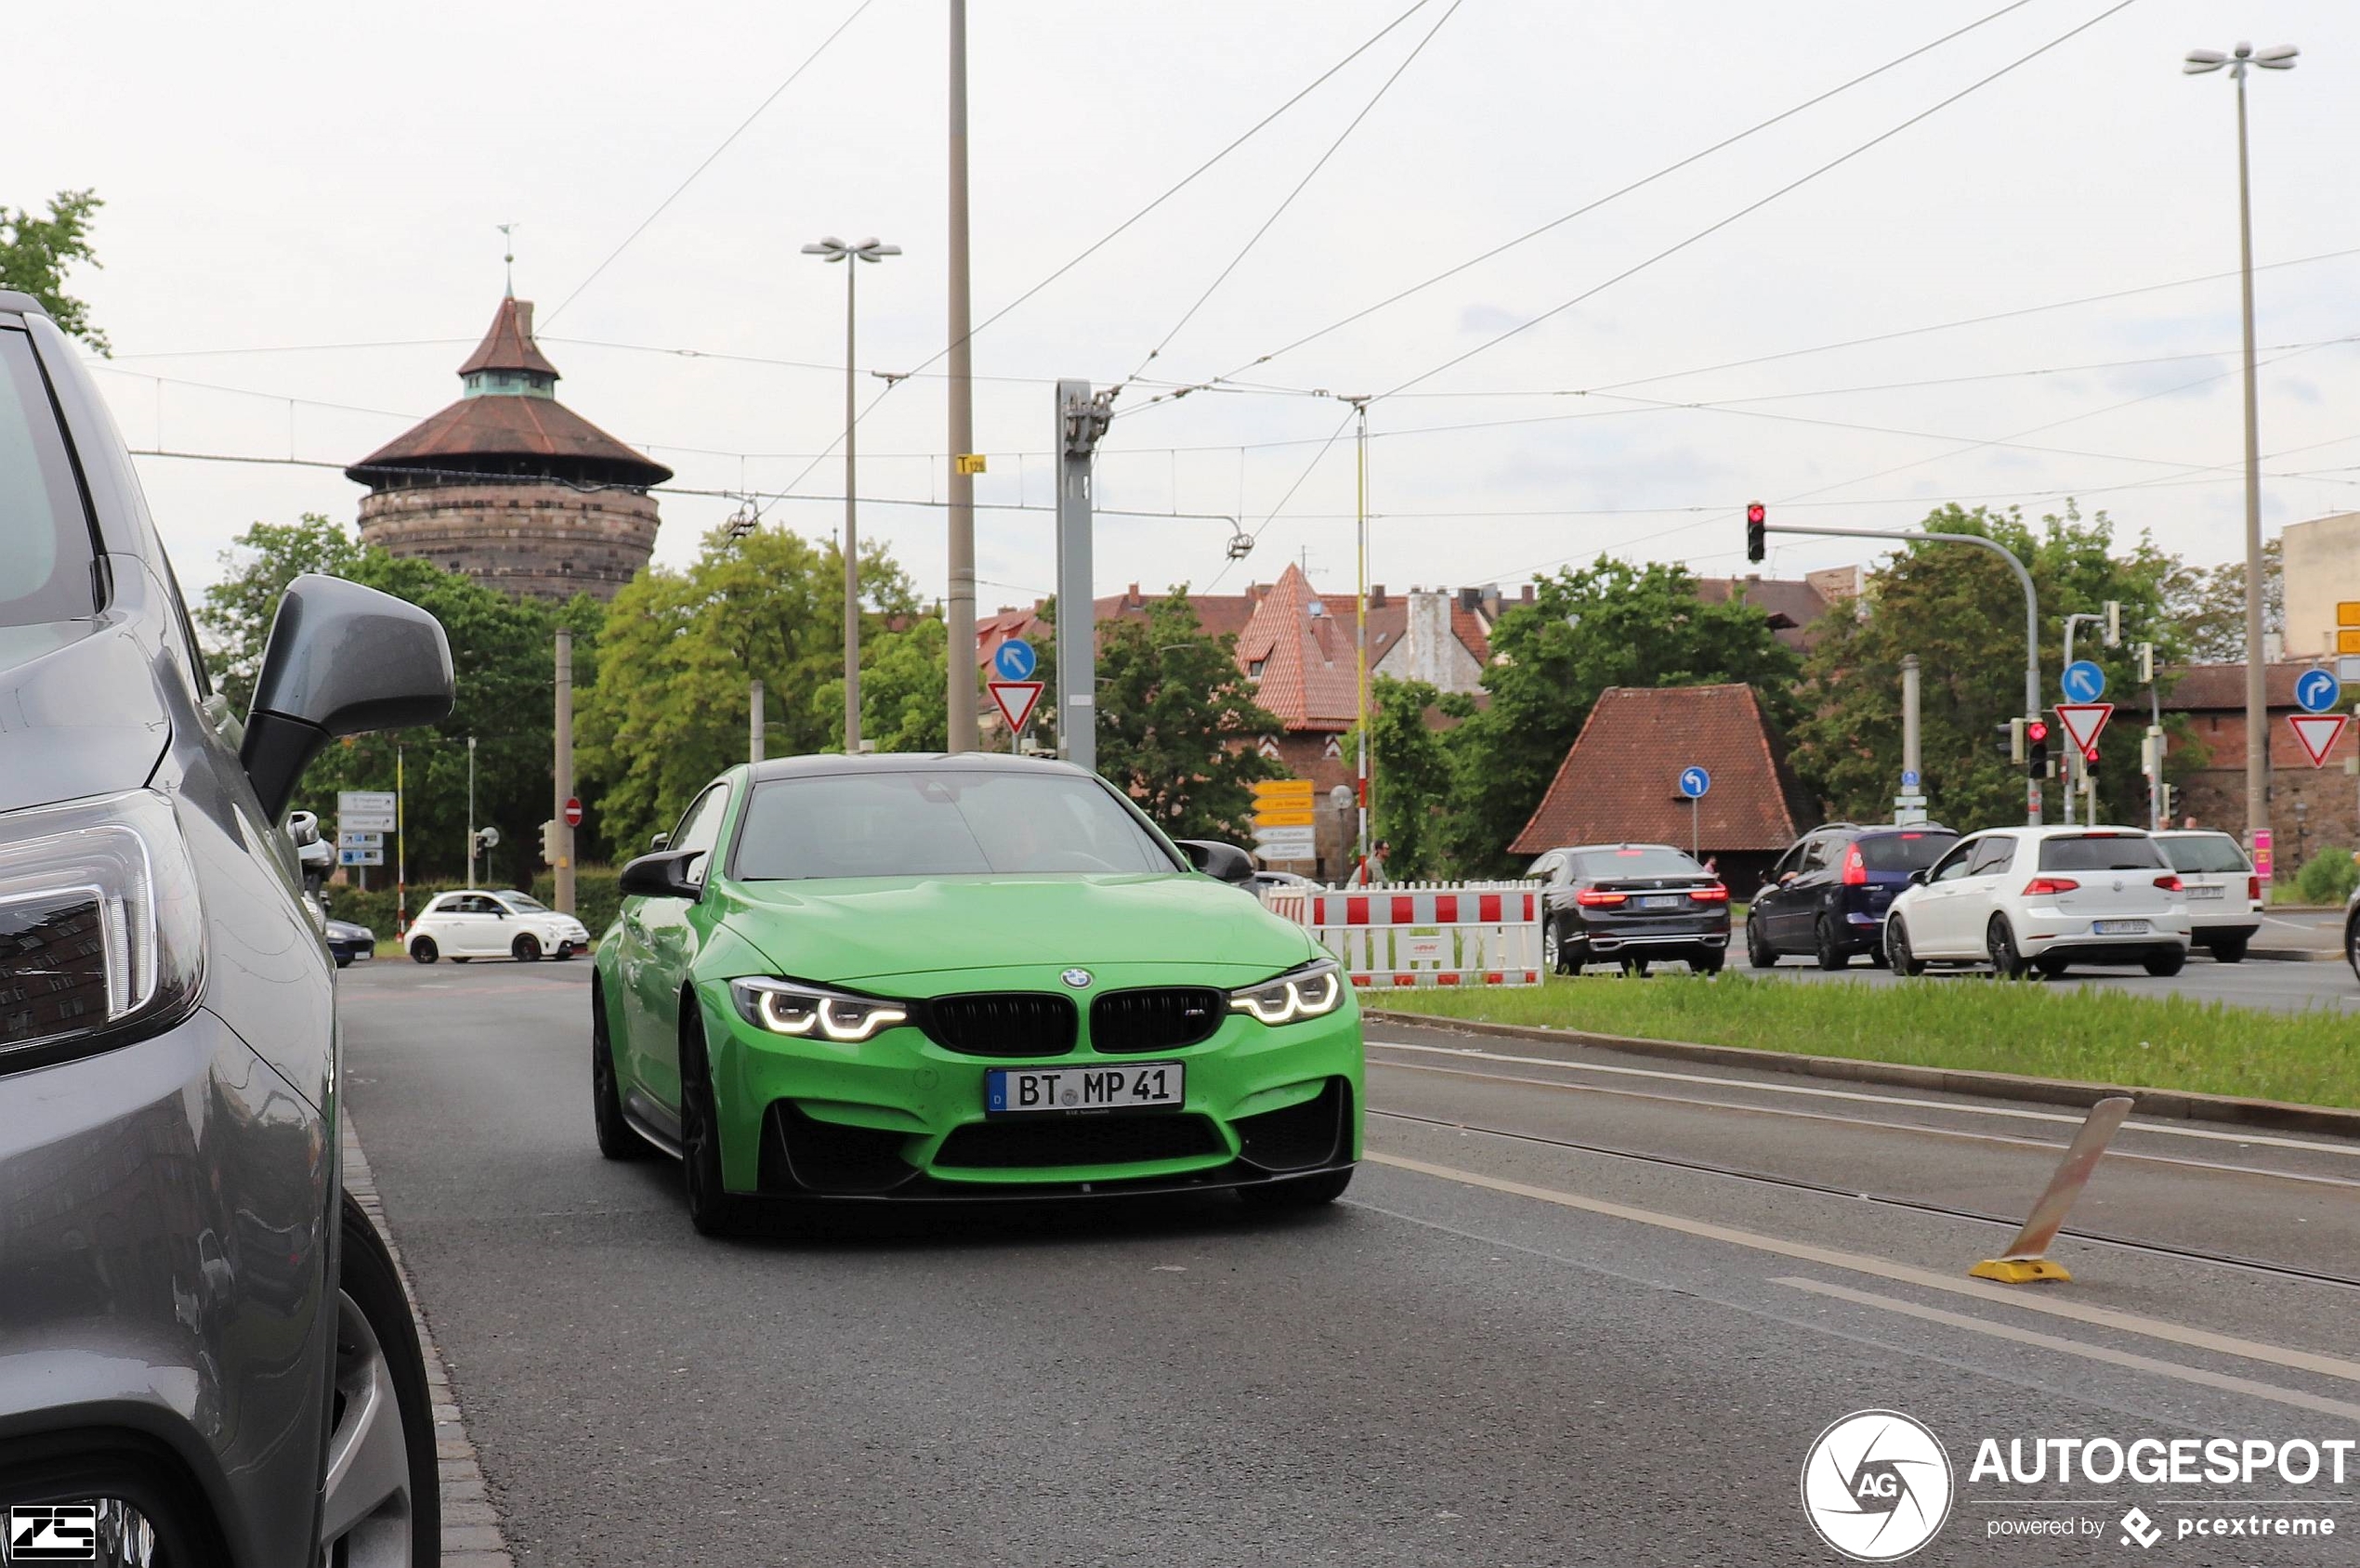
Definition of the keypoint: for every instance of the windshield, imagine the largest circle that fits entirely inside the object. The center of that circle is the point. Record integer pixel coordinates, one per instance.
(938, 823)
(2101, 851)
(44, 536)
(1636, 860)
(1904, 852)
(2207, 852)
(523, 904)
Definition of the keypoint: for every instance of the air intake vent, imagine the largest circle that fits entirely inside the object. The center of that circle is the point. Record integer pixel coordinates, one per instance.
(1166, 1019)
(1004, 1024)
(1047, 1142)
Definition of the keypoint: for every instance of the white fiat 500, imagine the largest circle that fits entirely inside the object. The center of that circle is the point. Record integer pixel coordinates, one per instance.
(2018, 898)
(476, 925)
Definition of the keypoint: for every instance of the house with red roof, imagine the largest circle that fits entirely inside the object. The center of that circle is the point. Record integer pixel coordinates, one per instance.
(1620, 781)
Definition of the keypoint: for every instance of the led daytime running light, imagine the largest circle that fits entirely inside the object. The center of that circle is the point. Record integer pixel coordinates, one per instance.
(786, 1009)
(1306, 993)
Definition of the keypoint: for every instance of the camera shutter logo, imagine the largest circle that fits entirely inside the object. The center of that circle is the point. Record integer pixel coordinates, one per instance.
(1876, 1486)
(53, 1533)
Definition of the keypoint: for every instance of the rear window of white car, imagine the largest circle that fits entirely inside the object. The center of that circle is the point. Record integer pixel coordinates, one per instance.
(2207, 852)
(2101, 851)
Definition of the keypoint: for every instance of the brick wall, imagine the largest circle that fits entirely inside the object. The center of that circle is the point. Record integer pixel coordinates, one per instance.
(548, 541)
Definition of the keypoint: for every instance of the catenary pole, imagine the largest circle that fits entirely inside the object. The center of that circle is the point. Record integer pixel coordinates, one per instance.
(564, 771)
(961, 606)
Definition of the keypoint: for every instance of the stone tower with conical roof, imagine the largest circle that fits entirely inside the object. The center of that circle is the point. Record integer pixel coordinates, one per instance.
(510, 486)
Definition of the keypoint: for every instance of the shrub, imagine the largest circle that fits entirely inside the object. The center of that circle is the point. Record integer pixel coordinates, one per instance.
(2327, 877)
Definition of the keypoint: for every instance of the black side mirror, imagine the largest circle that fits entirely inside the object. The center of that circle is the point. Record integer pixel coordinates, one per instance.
(341, 659)
(1917, 879)
(661, 875)
(1224, 862)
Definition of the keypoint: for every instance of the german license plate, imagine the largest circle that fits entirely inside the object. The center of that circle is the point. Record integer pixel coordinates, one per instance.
(1133, 1086)
(2202, 891)
(1671, 901)
(2118, 928)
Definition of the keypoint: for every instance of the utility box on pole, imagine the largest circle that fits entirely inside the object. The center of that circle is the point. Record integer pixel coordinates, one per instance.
(1082, 421)
(562, 862)
(756, 722)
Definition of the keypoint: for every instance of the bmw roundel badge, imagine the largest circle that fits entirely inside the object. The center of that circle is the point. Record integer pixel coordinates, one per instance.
(1078, 978)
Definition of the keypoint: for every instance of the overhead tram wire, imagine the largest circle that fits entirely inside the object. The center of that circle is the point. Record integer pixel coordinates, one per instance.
(1757, 204)
(1307, 469)
(1309, 174)
(1185, 181)
(808, 60)
(1615, 195)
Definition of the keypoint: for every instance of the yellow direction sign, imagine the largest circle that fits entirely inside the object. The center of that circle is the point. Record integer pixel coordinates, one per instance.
(1283, 817)
(2348, 639)
(1281, 789)
(2348, 612)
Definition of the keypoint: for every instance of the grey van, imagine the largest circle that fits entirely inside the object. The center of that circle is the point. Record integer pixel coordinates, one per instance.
(206, 1357)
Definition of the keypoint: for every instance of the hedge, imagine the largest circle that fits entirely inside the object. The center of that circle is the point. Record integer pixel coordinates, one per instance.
(595, 899)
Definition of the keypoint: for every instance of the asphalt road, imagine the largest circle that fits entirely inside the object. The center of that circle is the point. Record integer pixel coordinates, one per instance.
(1576, 1309)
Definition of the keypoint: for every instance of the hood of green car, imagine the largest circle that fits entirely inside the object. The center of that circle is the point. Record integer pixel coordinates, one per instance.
(876, 928)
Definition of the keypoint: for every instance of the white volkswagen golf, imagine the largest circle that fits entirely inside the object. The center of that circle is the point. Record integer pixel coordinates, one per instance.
(2018, 898)
(475, 924)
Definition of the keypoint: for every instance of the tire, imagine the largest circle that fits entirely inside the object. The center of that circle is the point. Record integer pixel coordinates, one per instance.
(2052, 968)
(616, 1140)
(712, 1209)
(1553, 949)
(526, 948)
(1827, 946)
(2228, 950)
(344, 961)
(2351, 947)
(565, 951)
(456, 958)
(1758, 953)
(381, 1488)
(1635, 966)
(2000, 941)
(422, 950)
(2166, 964)
(1302, 1192)
(1896, 950)
(1712, 961)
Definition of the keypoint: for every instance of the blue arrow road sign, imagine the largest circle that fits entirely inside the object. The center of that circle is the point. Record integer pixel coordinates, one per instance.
(2317, 688)
(1015, 661)
(1908, 777)
(1694, 783)
(2083, 681)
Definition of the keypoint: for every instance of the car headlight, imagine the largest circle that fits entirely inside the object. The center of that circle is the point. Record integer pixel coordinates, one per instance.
(1309, 992)
(789, 1007)
(100, 928)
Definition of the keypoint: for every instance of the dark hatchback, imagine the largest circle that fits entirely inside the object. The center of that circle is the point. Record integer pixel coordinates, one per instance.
(1631, 904)
(1827, 894)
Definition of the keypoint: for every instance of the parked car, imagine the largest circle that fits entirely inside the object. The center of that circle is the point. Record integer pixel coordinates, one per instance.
(2224, 896)
(1265, 880)
(933, 979)
(202, 1340)
(2019, 898)
(1827, 894)
(348, 943)
(1630, 904)
(474, 923)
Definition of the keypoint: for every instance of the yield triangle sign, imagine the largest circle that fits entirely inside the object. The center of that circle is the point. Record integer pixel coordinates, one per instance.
(1016, 700)
(2082, 722)
(2317, 732)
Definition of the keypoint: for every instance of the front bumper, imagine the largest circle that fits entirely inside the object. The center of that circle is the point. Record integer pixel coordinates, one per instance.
(901, 1116)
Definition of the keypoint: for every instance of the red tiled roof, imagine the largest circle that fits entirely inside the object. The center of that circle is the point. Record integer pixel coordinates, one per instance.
(508, 345)
(1468, 627)
(1309, 666)
(510, 435)
(1218, 615)
(2221, 687)
(1791, 603)
(993, 630)
(1619, 782)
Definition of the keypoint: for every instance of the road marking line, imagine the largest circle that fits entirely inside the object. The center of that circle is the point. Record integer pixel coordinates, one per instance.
(1863, 1121)
(2221, 1381)
(1883, 1268)
(2259, 1139)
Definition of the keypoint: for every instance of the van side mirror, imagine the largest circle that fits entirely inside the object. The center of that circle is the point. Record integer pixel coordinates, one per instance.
(661, 875)
(342, 659)
(1918, 878)
(1224, 862)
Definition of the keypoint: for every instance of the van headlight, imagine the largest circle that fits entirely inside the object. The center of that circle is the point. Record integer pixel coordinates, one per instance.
(100, 933)
(789, 1007)
(1311, 991)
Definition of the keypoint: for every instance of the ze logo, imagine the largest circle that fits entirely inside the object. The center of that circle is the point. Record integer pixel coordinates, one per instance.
(53, 1533)
(1876, 1486)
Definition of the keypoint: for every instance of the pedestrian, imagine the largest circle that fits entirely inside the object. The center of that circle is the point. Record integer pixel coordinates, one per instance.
(1371, 871)
(1712, 865)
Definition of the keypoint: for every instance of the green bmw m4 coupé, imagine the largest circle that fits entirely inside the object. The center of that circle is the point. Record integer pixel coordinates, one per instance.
(916, 978)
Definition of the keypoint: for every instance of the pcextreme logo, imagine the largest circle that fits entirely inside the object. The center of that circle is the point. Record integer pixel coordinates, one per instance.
(1876, 1486)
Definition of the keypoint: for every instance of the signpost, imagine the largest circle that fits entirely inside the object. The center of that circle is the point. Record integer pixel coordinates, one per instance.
(2316, 689)
(1283, 819)
(361, 856)
(365, 810)
(2317, 733)
(2083, 681)
(574, 811)
(1015, 661)
(1693, 784)
(1910, 806)
(2348, 625)
(1016, 700)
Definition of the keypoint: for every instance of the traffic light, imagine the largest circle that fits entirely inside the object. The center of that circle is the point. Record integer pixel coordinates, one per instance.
(2146, 652)
(2114, 623)
(2035, 735)
(549, 842)
(1757, 527)
(2011, 739)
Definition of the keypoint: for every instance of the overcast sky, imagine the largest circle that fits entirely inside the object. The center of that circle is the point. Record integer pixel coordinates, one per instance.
(299, 248)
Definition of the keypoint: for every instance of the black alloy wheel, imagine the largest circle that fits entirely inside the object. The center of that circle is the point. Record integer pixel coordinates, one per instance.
(616, 1140)
(1896, 950)
(1758, 953)
(712, 1209)
(2007, 963)
(526, 948)
(423, 950)
(1827, 945)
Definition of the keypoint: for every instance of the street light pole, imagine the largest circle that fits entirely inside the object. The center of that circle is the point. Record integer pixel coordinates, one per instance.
(960, 605)
(2200, 62)
(1360, 631)
(471, 811)
(835, 249)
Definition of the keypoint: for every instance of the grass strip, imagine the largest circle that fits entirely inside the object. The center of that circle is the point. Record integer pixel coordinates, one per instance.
(2098, 1036)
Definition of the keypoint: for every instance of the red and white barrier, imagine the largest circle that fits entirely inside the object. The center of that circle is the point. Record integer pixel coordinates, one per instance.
(1423, 934)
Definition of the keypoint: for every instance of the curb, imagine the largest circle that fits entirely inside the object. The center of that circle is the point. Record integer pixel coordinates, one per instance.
(2169, 1105)
(2292, 955)
(471, 1532)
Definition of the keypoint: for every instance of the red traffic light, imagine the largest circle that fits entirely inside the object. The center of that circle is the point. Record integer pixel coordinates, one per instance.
(1756, 512)
(2035, 730)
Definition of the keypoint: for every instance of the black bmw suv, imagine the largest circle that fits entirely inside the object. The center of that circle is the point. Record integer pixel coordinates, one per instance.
(1827, 894)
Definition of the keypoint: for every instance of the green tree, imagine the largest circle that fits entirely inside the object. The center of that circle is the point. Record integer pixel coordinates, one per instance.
(2209, 603)
(1410, 756)
(1611, 624)
(1177, 721)
(1960, 612)
(235, 615)
(902, 686)
(36, 252)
